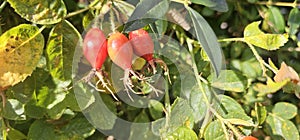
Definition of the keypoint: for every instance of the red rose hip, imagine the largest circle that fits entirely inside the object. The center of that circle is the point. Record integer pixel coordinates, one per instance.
(95, 47)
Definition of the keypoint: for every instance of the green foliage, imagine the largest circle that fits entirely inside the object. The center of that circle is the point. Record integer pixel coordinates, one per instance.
(44, 97)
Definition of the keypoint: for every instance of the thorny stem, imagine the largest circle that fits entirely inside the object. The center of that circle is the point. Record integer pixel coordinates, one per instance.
(262, 63)
(167, 104)
(3, 98)
(206, 100)
(259, 59)
(231, 39)
(111, 18)
(3, 132)
(288, 4)
(77, 12)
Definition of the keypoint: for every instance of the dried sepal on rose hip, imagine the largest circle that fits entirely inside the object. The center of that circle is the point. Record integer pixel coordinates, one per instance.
(143, 46)
(95, 51)
(120, 52)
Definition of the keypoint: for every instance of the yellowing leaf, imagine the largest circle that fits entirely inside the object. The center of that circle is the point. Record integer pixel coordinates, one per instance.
(286, 72)
(20, 50)
(240, 122)
(40, 11)
(270, 87)
(255, 36)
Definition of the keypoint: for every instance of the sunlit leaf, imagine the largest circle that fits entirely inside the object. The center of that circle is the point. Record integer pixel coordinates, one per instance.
(62, 41)
(40, 12)
(230, 80)
(261, 113)
(270, 87)
(20, 50)
(182, 133)
(285, 110)
(214, 131)
(255, 36)
(47, 98)
(240, 122)
(282, 127)
(14, 110)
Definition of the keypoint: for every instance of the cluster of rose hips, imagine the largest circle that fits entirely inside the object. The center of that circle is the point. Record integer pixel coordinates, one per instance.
(120, 50)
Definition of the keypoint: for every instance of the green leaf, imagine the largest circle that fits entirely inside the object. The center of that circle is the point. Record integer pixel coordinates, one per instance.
(146, 12)
(292, 87)
(218, 5)
(94, 107)
(231, 109)
(142, 117)
(294, 21)
(208, 3)
(261, 113)
(285, 110)
(48, 98)
(62, 41)
(34, 111)
(274, 20)
(221, 6)
(20, 50)
(40, 12)
(56, 111)
(214, 131)
(14, 134)
(208, 40)
(125, 9)
(270, 87)
(41, 130)
(141, 128)
(282, 127)
(181, 115)
(87, 19)
(79, 126)
(197, 101)
(156, 109)
(248, 67)
(14, 110)
(230, 80)
(26, 91)
(255, 36)
(182, 133)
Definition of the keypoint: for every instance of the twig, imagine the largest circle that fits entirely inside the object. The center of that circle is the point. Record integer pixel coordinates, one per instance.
(3, 98)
